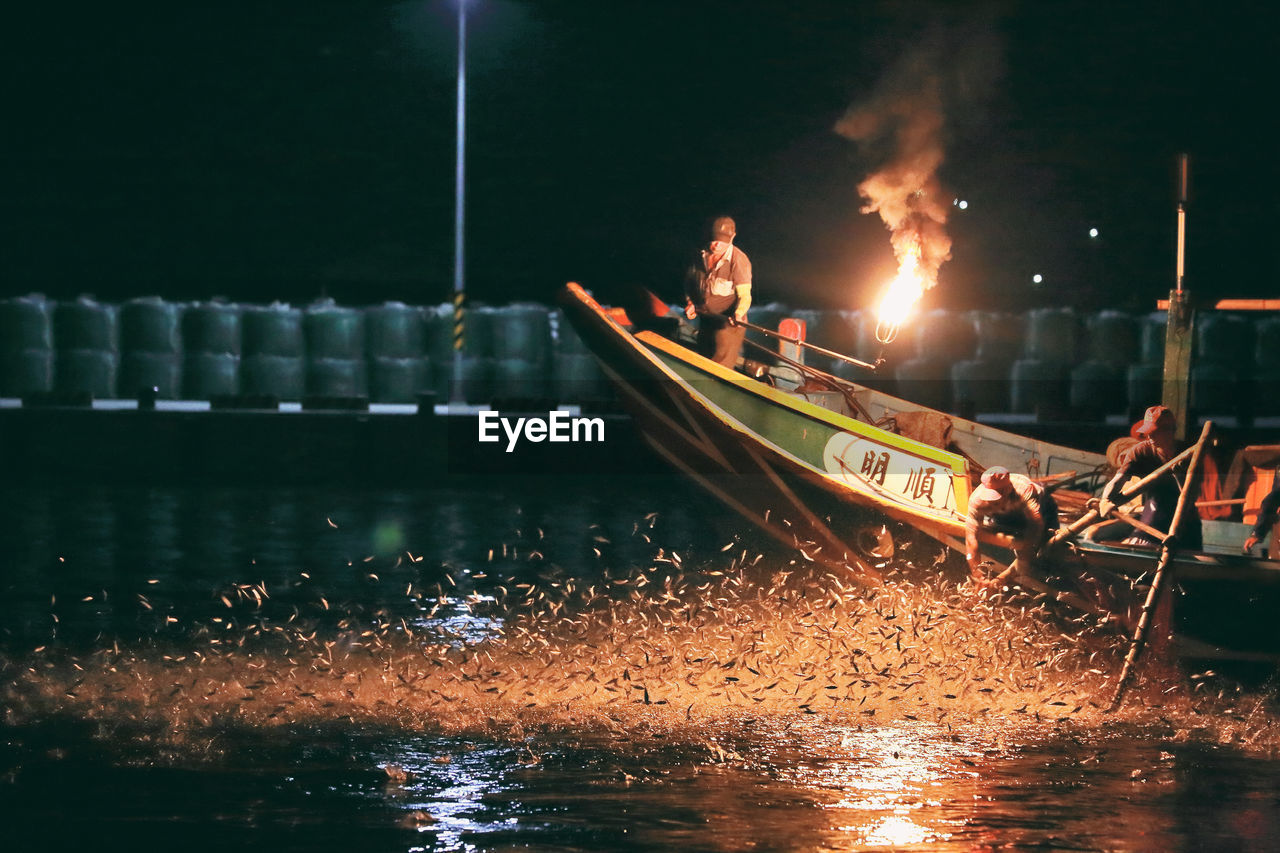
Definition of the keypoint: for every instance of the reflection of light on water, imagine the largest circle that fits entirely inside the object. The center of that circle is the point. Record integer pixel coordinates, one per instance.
(881, 777)
(454, 801)
(452, 808)
(898, 830)
(456, 618)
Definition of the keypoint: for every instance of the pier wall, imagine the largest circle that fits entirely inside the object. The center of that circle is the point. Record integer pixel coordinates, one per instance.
(1054, 362)
(388, 353)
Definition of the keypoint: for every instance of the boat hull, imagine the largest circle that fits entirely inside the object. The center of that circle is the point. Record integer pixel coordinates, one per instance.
(808, 476)
(1218, 606)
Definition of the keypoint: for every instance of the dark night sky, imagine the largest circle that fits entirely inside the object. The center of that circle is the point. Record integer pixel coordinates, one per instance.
(281, 149)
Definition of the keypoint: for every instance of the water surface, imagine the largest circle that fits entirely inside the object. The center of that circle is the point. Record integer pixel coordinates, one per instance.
(567, 665)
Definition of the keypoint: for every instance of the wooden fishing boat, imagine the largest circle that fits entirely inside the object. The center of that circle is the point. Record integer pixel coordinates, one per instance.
(799, 463)
(830, 468)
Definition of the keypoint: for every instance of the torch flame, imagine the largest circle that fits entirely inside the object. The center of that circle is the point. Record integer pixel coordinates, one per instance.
(902, 294)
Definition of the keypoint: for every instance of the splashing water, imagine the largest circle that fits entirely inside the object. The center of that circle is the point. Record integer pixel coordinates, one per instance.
(660, 649)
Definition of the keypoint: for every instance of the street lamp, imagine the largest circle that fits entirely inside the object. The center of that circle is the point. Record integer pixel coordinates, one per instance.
(459, 210)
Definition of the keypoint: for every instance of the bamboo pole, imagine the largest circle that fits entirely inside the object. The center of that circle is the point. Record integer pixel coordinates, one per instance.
(1138, 642)
(1228, 502)
(1133, 489)
(807, 345)
(1158, 535)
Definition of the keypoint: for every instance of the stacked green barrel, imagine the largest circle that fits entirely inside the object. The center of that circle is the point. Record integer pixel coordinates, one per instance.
(336, 365)
(1041, 378)
(86, 342)
(1144, 377)
(477, 385)
(26, 346)
(150, 348)
(1046, 360)
(981, 383)
(521, 342)
(1266, 396)
(399, 368)
(1098, 384)
(941, 338)
(1222, 364)
(273, 362)
(576, 376)
(211, 338)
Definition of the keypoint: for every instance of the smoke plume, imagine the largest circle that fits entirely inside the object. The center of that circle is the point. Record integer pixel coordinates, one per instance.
(901, 126)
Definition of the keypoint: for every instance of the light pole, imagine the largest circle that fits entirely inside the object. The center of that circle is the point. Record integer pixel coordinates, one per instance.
(455, 391)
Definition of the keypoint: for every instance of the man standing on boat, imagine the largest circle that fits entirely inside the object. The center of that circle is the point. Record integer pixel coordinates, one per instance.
(1160, 497)
(1012, 504)
(718, 291)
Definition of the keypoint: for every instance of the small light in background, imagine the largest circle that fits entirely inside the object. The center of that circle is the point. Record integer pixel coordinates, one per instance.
(1093, 232)
(960, 203)
(1037, 278)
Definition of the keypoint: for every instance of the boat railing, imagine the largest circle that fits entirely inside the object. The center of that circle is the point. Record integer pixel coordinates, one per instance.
(856, 362)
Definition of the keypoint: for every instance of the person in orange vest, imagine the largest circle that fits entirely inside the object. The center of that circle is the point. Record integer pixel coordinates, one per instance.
(1266, 517)
(718, 291)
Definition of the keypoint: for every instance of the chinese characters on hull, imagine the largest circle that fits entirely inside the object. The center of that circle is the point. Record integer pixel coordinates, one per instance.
(914, 480)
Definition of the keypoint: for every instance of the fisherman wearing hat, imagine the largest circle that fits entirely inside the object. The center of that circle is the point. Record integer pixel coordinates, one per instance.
(1012, 504)
(1160, 497)
(718, 290)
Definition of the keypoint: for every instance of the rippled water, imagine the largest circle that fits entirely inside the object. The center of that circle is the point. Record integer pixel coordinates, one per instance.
(567, 665)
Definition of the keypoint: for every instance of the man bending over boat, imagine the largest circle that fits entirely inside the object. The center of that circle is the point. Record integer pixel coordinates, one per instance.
(718, 290)
(1160, 497)
(1011, 504)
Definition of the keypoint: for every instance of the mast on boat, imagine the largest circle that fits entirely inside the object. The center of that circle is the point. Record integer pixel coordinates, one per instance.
(1178, 332)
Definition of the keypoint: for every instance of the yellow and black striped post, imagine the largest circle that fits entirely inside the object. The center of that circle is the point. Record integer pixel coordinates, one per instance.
(458, 324)
(459, 341)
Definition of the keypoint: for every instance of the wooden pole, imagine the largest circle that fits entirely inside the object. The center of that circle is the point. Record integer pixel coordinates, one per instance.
(1139, 524)
(1157, 583)
(1178, 334)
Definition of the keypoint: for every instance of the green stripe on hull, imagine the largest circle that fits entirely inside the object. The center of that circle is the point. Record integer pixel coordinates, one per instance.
(888, 467)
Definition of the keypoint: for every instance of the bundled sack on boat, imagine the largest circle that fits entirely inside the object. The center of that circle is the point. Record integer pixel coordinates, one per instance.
(932, 428)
